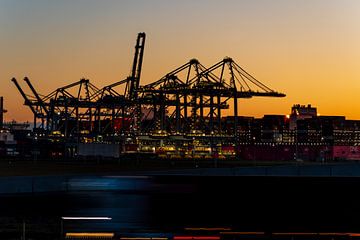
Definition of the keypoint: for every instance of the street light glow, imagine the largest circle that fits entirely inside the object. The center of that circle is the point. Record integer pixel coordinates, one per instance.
(86, 218)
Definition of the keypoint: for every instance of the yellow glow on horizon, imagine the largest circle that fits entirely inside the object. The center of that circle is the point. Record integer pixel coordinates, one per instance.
(309, 51)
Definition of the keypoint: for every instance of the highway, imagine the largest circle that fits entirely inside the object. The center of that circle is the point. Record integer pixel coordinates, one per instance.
(165, 206)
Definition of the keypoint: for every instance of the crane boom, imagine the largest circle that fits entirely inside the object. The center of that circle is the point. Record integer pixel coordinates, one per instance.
(27, 101)
(38, 98)
(137, 64)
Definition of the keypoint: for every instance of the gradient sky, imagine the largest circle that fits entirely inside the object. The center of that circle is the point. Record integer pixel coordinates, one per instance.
(308, 49)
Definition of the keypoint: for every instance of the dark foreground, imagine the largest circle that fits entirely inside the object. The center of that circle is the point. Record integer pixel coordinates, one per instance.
(173, 206)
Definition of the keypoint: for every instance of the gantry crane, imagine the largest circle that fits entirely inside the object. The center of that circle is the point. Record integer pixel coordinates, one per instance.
(81, 104)
(189, 101)
(195, 101)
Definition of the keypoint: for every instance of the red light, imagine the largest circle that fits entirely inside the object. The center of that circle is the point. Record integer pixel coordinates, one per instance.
(354, 234)
(206, 238)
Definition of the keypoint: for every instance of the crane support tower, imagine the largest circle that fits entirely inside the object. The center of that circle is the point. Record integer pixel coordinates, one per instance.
(2, 112)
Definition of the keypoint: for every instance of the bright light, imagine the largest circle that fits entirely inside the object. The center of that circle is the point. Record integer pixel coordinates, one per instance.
(196, 238)
(354, 234)
(335, 234)
(86, 218)
(143, 238)
(82, 235)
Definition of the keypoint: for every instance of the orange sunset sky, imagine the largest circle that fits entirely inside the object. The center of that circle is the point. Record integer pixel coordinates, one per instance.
(308, 49)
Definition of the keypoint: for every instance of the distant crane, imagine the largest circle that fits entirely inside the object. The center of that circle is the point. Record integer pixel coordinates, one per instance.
(2, 111)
